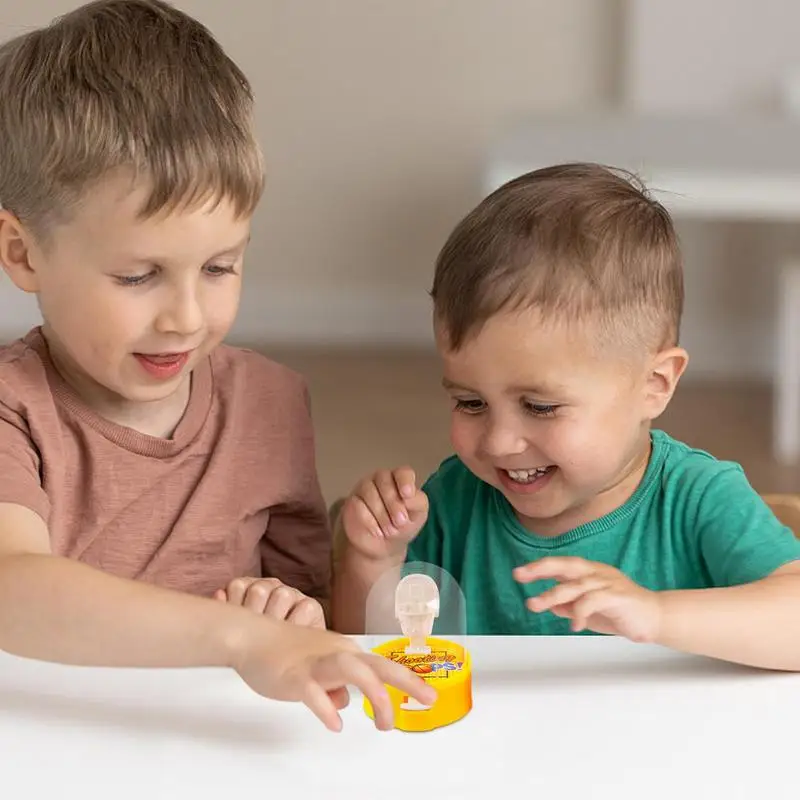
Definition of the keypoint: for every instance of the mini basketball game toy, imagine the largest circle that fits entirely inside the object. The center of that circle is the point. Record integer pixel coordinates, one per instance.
(444, 664)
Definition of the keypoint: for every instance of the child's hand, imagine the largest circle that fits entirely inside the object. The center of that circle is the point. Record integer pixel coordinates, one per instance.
(384, 513)
(274, 599)
(315, 667)
(594, 596)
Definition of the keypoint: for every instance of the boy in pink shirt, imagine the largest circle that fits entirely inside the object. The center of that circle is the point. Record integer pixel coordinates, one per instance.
(158, 486)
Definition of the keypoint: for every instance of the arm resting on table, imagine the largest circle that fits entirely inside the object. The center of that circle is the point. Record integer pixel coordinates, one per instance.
(757, 624)
(54, 609)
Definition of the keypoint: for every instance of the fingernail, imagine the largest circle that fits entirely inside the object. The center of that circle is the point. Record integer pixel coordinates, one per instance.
(407, 491)
(401, 519)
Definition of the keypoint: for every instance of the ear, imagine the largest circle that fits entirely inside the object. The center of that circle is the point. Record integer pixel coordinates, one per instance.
(16, 245)
(665, 370)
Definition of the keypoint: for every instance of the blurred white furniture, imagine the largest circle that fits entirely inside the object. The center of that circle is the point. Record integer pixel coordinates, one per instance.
(567, 717)
(713, 168)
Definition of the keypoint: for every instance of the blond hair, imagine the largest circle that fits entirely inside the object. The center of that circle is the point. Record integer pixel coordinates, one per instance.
(578, 242)
(132, 85)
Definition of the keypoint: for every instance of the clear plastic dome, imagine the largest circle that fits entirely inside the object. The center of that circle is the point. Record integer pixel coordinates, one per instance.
(416, 615)
(416, 602)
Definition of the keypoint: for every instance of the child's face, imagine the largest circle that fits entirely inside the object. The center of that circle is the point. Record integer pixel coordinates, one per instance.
(530, 397)
(131, 306)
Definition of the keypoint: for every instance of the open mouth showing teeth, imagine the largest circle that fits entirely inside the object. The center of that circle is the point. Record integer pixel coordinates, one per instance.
(528, 475)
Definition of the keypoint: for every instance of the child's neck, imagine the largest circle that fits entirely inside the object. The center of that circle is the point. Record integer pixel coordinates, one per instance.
(159, 419)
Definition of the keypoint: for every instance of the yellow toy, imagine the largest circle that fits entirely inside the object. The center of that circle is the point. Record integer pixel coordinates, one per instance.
(444, 664)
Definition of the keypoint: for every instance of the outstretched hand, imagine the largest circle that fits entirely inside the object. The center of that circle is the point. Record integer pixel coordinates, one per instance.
(594, 596)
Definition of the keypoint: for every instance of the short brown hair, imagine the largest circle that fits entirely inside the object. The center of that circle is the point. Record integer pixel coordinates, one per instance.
(576, 241)
(124, 85)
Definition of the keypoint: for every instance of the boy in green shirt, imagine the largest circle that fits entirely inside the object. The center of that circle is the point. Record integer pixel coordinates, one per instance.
(557, 307)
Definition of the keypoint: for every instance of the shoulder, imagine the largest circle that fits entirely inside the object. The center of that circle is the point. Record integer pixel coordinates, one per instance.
(681, 458)
(261, 399)
(23, 376)
(241, 367)
(253, 386)
(690, 472)
(714, 503)
(452, 477)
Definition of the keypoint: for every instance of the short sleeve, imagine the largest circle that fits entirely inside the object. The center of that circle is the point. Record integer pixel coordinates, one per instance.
(297, 545)
(740, 538)
(20, 465)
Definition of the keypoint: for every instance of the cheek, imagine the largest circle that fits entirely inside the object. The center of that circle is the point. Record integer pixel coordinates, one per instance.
(119, 311)
(73, 308)
(222, 304)
(65, 287)
(100, 321)
(463, 434)
(592, 446)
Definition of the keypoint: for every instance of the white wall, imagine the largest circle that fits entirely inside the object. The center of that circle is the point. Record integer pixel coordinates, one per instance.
(719, 57)
(375, 115)
(709, 55)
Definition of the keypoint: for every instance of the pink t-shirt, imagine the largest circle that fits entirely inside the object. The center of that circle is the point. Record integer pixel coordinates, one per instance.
(233, 493)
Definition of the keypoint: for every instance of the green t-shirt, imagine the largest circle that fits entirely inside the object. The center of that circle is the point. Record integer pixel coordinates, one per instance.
(693, 522)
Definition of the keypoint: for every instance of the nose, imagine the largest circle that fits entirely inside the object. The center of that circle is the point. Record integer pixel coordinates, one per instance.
(502, 437)
(182, 312)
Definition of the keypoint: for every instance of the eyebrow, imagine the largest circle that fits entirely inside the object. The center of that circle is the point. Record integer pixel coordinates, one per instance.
(236, 249)
(540, 391)
(229, 251)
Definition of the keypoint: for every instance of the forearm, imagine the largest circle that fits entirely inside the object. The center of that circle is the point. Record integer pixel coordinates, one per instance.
(755, 624)
(53, 609)
(353, 579)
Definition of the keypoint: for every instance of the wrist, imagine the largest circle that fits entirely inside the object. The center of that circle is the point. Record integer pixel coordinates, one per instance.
(352, 555)
(668, 605)
(233, 631)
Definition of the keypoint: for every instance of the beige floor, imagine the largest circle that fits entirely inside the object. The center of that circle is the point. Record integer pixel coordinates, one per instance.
(387, 408)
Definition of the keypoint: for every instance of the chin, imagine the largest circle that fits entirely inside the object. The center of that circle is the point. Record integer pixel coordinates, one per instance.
(535, 510)
(149, 394)
(549, 503)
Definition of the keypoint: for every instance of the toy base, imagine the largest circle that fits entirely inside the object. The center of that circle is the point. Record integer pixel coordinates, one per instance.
(448, 668)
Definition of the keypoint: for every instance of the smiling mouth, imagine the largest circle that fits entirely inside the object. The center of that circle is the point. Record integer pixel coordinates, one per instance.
(528, 475)
(163, 358)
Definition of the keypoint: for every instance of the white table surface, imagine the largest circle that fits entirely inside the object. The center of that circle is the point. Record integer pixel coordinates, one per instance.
(572, 716)
(576, 717)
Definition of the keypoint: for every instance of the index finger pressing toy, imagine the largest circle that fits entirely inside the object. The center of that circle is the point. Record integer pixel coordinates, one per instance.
(444, 664)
